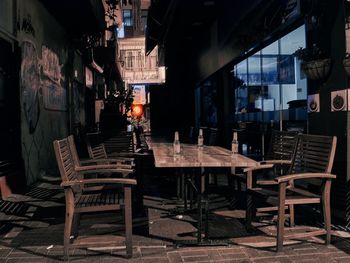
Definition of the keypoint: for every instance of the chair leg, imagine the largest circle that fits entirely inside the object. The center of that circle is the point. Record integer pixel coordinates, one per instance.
(186, 193)
(206, 209)
(250, 202)
(68, 223)
(191, 190)
(128, 220)
(291, 216)
(75, 225)
(178, 185)
(281, 215)
(249, 210)
(182, 175)
(327, 210)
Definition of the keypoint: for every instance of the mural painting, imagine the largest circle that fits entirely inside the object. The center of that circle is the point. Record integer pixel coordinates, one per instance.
(55, 97)
(30, 83)
(44, 73)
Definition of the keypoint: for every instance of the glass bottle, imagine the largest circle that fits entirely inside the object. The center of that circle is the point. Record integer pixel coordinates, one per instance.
(234, 144)
(177, 147)
(200, 138)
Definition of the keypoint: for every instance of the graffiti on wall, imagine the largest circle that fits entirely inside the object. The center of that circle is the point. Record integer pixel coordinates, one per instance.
(53, 92)
(27, 26)
(51, 65)
(54, 96)
(30, 83)
(44, 74)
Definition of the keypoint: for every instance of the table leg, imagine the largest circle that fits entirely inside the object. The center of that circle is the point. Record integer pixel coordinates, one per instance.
(200, 240)
(200, 218)
(178, 184)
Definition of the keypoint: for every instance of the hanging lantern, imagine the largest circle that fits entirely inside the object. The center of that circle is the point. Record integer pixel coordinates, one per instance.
(317, 69)
(137, 110)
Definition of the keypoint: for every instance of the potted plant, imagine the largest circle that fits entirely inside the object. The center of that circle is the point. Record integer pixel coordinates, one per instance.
(346, 63)
(315, 64)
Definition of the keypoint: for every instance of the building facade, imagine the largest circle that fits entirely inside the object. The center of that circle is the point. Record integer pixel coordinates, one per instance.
(53, 69)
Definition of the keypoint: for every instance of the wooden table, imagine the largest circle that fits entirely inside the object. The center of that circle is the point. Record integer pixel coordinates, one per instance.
(192, 156)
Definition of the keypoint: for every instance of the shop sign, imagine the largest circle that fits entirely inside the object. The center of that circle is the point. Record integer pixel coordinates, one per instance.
(139, 94)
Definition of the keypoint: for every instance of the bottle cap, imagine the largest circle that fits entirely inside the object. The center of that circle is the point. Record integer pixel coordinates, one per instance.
(235, 136)
(200, 131)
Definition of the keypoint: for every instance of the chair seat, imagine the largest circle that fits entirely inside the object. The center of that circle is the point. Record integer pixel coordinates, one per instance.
(104, 201)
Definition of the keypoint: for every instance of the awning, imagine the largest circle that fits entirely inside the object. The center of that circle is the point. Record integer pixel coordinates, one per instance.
(186, 20)
(78, 17)
(158, 19)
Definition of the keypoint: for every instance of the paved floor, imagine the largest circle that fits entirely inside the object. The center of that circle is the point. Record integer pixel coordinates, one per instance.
(31, 230)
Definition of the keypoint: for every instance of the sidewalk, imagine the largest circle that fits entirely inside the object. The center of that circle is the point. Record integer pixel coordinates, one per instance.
(31, 230)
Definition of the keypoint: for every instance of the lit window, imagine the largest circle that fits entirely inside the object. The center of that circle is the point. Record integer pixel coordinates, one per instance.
(127, 17)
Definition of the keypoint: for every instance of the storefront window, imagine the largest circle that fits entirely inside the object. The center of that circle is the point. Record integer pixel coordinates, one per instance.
(270, 81)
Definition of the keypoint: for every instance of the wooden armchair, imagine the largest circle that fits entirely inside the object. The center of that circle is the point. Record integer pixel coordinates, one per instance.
(92, 195)
(281, 149)
(313, 159)
(98, 163)
(97, 151)
(278, 159)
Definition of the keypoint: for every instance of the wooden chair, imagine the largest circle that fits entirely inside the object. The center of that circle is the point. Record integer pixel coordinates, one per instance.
(312, 159)
(121, 142)
(97, 151)
(98, 163)
(279, 157)
(92, 195)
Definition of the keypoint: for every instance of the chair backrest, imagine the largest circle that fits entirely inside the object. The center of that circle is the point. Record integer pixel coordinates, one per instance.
(119, 142)
(65, 160)
(97, 151)
(314, 153)
(282, 145)
(73, 150)
(95, 146)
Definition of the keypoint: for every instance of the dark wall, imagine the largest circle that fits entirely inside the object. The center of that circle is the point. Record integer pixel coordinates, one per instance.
(329, 34)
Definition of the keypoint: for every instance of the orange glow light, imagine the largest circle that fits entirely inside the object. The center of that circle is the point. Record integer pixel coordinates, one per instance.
(137, 110)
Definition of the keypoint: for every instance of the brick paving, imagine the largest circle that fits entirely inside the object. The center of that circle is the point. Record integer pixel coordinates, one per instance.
(31, 230)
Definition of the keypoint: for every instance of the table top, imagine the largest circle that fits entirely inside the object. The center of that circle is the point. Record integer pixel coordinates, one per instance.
(194, 156)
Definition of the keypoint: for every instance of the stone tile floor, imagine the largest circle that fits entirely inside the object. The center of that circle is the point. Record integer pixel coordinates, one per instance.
(31, 230)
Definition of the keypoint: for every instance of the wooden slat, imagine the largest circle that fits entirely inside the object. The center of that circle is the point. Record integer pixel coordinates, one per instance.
(300, 200)
(305, 234)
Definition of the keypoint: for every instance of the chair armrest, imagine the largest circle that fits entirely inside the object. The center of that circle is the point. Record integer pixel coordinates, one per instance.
(127, 154)
(104, 168)
(99, 181)
(276, 162)
(118, 157)
(259, 167)
(286, 178)
(107, 160)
